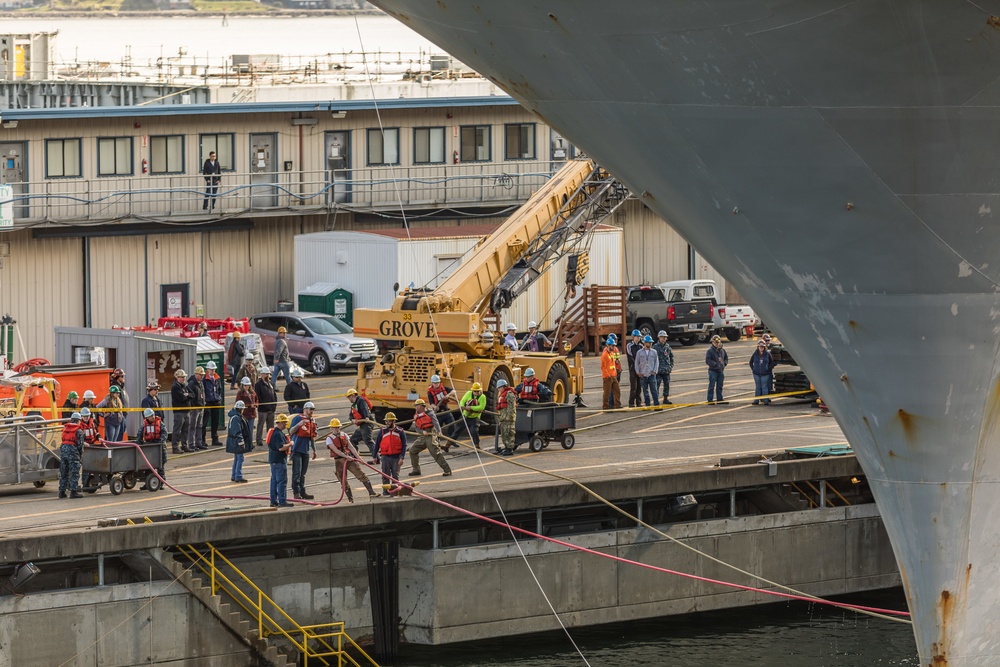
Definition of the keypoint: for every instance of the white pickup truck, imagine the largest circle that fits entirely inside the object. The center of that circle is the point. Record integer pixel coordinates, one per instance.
(729, 320)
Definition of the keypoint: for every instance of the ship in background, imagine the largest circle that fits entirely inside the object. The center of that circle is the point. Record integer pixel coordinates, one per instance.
(838, 161)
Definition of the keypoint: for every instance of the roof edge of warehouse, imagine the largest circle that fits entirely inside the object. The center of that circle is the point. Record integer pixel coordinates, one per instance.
(324, 106)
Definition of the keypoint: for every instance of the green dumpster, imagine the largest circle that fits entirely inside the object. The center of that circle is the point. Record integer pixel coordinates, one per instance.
(328, 298)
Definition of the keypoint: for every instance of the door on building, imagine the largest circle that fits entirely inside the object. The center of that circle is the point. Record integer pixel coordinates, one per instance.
(14, 172)
(174, 300)
(263, 170)
(337, 149)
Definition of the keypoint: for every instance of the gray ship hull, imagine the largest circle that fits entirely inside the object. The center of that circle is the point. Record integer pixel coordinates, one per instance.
(837, 161)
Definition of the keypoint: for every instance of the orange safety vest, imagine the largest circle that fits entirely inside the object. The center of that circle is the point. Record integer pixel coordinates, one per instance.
(391, 443)
(503, 400)
(89, 430)
(340, 442)
(310, 428)
(423, 421)
(529, 389)
(437, 394)
(69, 433)
(609, 368)
(151, 430)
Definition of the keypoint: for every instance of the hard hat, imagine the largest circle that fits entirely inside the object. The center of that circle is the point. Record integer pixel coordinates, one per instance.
(334, 423)
(245, 380)
(511, 327)
(716, 338)
(75, 416)
(532, 324)
(766, 338)
(72, 395)
(148, 412)
(529, 373)
(612, 340)
(647, 339)
(198, 370)
(88, 394)
(501, 383)
(352, 392)
(435, 378)
(635, 332)
(113, 389)
(309, 406)
(85, 412)
(282, 419)
(211, 366)
(240, 405)
(237, 335)
(476, 386)
(152, 385)
(661, 334)
(420, 401)
(297, 373)
(390, 416)
(180, 373)
(117, 373)
(282, 330)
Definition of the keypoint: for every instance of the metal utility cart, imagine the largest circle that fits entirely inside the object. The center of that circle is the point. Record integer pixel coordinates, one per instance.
(121, 466)
(539, 423)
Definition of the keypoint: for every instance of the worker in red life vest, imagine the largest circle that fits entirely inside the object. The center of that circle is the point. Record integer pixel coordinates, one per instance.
(426, 424)
(89, 427)
(507, 410)
(531, 390)
(345, 459)
(303, 430)
(361, 417)
(390, 443)
(152, 431)
(69, 457)
(439, 399)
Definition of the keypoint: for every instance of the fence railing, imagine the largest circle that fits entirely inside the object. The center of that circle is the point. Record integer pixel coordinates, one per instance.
(29, 449)
(151, 197)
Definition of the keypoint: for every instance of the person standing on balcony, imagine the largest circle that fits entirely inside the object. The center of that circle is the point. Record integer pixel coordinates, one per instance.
(212, 172)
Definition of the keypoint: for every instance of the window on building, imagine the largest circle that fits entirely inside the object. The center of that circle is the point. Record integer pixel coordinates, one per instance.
(114, 156)
(62, 158)
(519, 141)
(166, 154)
(222, 145)
(428, 145)
(475, 143)
(383, 146)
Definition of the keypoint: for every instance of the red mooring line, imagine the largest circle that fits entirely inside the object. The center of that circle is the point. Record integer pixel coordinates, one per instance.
(528, 533)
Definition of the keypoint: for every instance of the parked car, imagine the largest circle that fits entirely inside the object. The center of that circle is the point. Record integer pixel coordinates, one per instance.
(320, 341)
(648, 310)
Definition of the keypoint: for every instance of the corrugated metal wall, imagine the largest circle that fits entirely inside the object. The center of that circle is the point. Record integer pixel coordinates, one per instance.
(41, 284)
(655, 253)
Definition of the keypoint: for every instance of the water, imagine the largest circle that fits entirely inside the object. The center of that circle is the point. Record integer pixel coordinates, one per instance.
(146, 39)
(780, 635)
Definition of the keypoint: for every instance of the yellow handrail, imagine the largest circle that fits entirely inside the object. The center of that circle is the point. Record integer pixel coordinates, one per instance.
(313, 643)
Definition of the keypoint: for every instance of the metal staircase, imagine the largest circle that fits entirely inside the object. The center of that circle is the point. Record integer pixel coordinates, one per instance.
(257, 618)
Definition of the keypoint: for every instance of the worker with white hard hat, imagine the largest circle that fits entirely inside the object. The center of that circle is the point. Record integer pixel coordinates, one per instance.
(296, 392)
(180, 397)
(239, 440)
(214, 414)
(510, 340)
(441, 399)
(303, 431)
(535, 341)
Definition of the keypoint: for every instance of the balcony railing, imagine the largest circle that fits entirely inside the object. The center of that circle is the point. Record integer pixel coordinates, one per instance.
(153, 197)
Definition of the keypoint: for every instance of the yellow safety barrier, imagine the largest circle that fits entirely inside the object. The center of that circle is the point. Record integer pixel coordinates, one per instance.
(310, 640)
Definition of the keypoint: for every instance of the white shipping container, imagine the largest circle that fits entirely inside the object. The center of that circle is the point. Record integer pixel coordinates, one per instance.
(368, 264)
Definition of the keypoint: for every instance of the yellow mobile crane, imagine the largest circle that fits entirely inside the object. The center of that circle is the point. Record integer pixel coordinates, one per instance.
(442, 331)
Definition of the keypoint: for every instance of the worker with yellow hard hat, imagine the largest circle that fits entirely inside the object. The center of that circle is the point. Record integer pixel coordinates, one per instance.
(235, 356)
(361, 417)
(426, 424)
(346, 459)
(278, 446)
(390, 443)
(473, 404)
(282, 361)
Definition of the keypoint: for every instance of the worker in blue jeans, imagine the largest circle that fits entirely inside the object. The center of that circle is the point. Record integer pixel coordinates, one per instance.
(717, 359)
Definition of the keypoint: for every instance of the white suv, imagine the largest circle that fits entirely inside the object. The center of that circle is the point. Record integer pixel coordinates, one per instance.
(319, 341)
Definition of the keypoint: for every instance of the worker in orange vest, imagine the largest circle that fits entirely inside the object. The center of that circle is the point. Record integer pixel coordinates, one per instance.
(610, 369)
